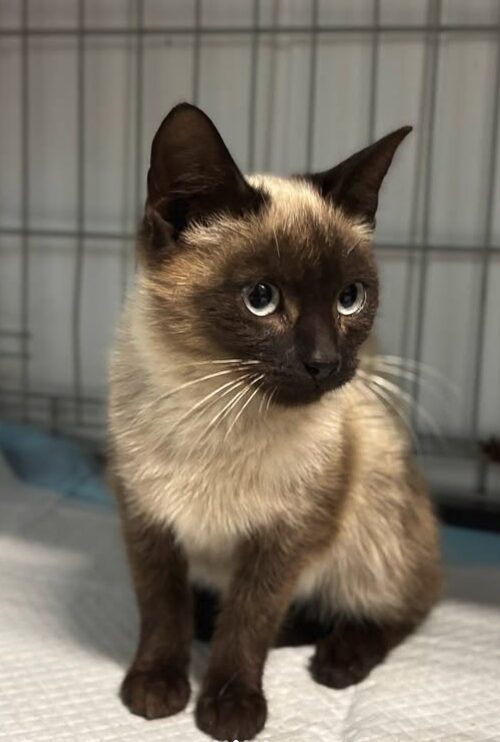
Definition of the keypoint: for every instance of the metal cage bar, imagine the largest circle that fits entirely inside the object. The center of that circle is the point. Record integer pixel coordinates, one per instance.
(434, 47)
(25, 206)
(311, 103)
(252, 92)
(80, 219)
(372, 109)
(115, 236)
(484, 282)
(340, 29)
(196, 31)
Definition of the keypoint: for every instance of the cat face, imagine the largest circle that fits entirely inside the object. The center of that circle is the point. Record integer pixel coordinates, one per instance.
(275, 272)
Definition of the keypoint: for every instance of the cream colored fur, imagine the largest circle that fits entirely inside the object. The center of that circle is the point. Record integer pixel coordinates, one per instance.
(215, 486)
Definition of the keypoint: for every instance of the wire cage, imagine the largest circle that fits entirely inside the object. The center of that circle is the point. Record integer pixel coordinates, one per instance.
(294, 85)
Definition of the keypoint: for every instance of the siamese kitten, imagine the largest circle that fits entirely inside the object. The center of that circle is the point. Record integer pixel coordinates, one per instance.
(247, 453)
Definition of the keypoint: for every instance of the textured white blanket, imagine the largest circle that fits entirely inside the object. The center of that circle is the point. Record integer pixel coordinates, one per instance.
(68, 623)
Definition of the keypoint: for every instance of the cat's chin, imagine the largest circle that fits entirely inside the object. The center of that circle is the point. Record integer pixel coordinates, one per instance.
(299, 399)
(286, 396)
(296, 395)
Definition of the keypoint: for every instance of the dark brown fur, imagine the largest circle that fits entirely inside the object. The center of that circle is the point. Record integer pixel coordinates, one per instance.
(195, 295)
(156, 684)
(254, 616)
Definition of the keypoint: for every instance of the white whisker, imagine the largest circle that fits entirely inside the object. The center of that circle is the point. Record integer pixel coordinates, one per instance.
(355, 245)
(418, 366)
(230, 405)
(412, 404)
(187, 384)
(229, 361)
(234, 385)
(388, 402)
(411, 375)
(277, 244)
(271, 397)
(245, 405)
(209, 396)
(262, 402)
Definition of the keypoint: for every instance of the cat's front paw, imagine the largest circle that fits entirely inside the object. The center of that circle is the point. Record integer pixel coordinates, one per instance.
(155, 693)
(231, 713)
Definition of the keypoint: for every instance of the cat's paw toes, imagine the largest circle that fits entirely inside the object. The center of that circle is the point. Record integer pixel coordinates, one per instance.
(339, 665)
(155, 693)
(233, 713)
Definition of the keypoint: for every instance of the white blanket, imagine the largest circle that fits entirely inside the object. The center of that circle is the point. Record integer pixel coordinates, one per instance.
(68, 625)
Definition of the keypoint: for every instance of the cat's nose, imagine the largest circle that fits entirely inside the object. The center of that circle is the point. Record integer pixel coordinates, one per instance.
(322, 370)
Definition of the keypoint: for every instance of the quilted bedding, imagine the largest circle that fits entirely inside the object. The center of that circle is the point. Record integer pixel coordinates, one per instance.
(68, 624)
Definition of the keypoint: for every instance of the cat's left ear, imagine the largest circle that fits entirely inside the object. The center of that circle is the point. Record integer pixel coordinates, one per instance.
(354, 184)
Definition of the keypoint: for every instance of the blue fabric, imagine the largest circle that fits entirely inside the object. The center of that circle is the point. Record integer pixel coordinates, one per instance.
(467, 546)
(53, 462)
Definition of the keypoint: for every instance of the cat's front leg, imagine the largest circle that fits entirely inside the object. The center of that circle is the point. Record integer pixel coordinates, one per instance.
(232, 705)
(156, 684)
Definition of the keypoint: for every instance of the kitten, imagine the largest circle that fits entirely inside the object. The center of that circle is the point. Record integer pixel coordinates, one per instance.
(247, 454)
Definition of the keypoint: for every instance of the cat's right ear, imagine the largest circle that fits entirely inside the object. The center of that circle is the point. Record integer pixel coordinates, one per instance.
(191, 177)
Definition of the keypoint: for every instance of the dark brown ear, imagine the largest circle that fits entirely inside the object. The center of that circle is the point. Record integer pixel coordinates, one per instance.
(192, 175)
(354, 184)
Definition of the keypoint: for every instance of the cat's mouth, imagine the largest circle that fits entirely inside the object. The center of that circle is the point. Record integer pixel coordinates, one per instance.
(290, 390)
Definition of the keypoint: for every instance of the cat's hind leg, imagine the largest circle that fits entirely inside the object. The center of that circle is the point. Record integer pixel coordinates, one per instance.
(353, 648)
(384, 578)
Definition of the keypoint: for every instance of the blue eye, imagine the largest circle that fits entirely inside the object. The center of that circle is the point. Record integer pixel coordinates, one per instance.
(351, 299)
(261, 299)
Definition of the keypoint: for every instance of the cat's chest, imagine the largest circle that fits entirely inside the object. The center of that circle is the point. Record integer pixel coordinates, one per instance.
(217, 483)
(216, 494)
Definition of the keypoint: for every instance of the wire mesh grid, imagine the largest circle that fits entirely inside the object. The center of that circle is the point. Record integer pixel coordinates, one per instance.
(291, 84)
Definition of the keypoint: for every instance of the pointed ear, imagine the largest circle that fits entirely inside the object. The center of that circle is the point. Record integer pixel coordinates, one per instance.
(192, 175)
(354, 184)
